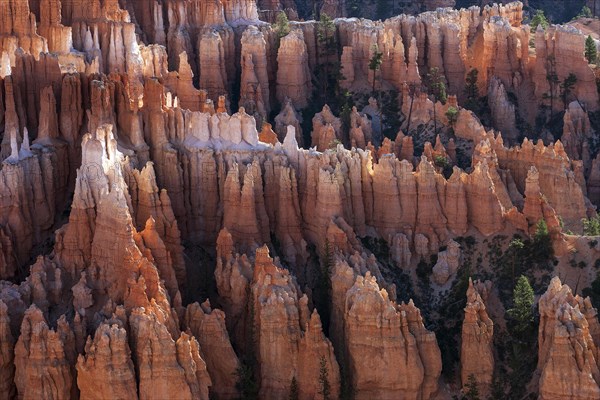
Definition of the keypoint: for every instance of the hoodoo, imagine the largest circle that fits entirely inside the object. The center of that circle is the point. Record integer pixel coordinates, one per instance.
(252, 199)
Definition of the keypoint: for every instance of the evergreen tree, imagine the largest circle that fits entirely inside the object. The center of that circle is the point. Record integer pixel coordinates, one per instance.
(294, 392)
(584, 13)
(246, 384)
(390, 111)
(591, 227)
(322, 292)
(281, 27)
(325, 390)
(329, 73)
(553, 82)
(539, 19)
(591, 51)
(522, 311)
(326, 41)
(434, 81)
(515, 246)
(282, 24)
(498, 391)
(436, 85)
(452, 115)
(472, 91)
(542, 243)
(472, 391)
(375, 63)
(566, 87)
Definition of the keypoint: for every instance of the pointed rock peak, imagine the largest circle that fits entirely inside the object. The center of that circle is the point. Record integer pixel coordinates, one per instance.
(314, 324)
(288, 107)
(14, 147)
(25, 150)
(224, 243)
(206, 307)
(533, 173)
(471, 291)
(456, 174)
(150, 224)
(262, 256)
(185, 70)
(290, 141)
(147, 181)
(221, 105)
(425, 165)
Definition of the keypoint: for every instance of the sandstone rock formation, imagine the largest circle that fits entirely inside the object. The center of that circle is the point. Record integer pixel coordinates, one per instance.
(166, 365)
(289, 117)
(503, 111)
(293, 74)
(477, 355)
(447, 263)
(208, 326)
(106, 370)
(567, 349)
(576, 132)
(129, 131)
(289, 342)
(401, 337)
(254, 86)
(7, 367)
(44, 358)
(213, 75)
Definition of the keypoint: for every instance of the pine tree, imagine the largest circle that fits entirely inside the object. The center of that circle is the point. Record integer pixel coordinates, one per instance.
(329, 73)
(322, 293)
(437, 87)
(542, 242)
(472, 90)
(326, 35)
(294, 392)
(566, 87)
(585, 12)
(553, 82)
(375, 63)
(591, 51)
(539, 19)
(591, 227)
(324, 379)
(522, 311)
(452, 115)
(246, 384)
(515, 246)
(281, 25)
(498, 390)
(472, 392)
